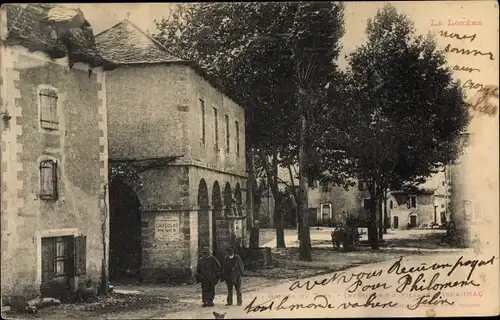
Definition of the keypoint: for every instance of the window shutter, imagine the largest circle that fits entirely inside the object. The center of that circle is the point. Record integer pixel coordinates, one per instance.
(81, 255)
(48, 251)
(48, 180)
(48, 109)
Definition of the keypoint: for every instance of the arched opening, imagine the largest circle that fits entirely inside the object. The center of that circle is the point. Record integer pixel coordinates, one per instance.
(228, 199)
(237, 197)
(203, 217)
(216, 217)
(125, 238)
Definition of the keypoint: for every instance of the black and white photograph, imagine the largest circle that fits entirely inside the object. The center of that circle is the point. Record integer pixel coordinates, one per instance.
(232, 160)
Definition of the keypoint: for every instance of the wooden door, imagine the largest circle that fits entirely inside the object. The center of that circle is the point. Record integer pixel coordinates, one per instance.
(58, 265)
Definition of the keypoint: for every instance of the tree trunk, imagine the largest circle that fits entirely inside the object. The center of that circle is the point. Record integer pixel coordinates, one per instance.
(381, 221)
(254, 229)
(305, 241)
(279, 219)
(372, 219)
(278, 205)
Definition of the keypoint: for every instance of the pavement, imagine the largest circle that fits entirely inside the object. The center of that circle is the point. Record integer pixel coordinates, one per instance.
(335, 296)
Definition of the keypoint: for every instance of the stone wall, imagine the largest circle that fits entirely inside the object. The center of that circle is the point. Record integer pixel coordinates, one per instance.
(80, 150)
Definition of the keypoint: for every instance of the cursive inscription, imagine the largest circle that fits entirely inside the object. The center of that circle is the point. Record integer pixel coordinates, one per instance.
(472, 264)
(419, 283)
(369, 303)
(435, 300)
(467, 52)
(321, 302)
(398, 269)
(337, 278)
(482, 100)
(465, 68)
(358, 284)
(457, 36)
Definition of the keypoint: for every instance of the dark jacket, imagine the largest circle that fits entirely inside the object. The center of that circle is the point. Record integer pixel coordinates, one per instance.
(232, 268)
(208, 269)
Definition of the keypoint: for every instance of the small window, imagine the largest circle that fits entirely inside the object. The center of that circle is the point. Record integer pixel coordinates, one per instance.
(48, 180)
(237, 128)
(228, 138)
(366, 203)
(412, 202)
(468, 210)
(362, 185)
(202, 114)
(49, 118)
(392, 205)
(216, 129)
(326, 211)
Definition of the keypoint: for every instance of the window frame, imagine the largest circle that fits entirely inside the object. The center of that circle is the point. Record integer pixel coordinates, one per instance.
(237, 129)
(228, 133)
(203, 121)
(322, 210)
(410, 202)
(216, 128)
(369, 203)
(54, 195)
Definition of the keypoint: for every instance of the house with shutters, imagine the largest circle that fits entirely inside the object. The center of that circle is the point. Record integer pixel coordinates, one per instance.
(184, 136)
(53, 151)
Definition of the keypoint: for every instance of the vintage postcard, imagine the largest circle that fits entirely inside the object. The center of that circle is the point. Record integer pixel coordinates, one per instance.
(249, 160)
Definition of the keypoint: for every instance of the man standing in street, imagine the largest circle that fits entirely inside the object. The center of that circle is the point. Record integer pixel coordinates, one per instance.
(232, 271)
(208, 274)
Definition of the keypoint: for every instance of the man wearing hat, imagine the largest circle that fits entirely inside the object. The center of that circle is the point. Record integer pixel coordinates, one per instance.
(208, 274)
(232, 271)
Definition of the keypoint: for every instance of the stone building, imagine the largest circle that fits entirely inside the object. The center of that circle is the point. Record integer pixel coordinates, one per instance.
(186, 140)
(53, 151)
(474, 176)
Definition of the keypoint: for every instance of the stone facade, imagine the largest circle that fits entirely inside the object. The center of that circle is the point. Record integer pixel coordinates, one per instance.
(416, 213)
(165, 110)
(474, 181)
(79, 149)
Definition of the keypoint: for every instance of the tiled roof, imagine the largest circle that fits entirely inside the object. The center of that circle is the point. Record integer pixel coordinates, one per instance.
(125, 43)
(49, 28)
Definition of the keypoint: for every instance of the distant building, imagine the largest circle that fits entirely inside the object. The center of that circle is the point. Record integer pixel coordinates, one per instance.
(425, 207)
(186, 138)
(53, 152)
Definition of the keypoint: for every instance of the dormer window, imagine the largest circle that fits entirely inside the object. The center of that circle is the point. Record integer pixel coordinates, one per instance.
(49, 118)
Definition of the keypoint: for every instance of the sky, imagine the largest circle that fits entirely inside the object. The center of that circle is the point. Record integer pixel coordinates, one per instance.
(425, 14)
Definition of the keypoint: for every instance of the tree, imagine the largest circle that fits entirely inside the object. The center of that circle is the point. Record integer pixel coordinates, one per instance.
(405, 111)
(274, 57)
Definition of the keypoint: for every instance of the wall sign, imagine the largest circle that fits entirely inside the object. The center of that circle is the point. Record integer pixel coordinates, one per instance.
(167, 228)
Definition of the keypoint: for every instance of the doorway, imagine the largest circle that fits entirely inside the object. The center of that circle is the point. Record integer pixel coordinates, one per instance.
(395, 222)
(125, 236)
(203, 217)
(58, 266)
(216, 217)
(413, 221)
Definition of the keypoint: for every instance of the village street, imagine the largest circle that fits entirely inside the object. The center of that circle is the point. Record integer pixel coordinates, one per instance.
(162, 301)
(308, 303)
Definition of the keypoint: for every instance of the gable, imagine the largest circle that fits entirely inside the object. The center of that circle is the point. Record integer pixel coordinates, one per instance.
(124, 43)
